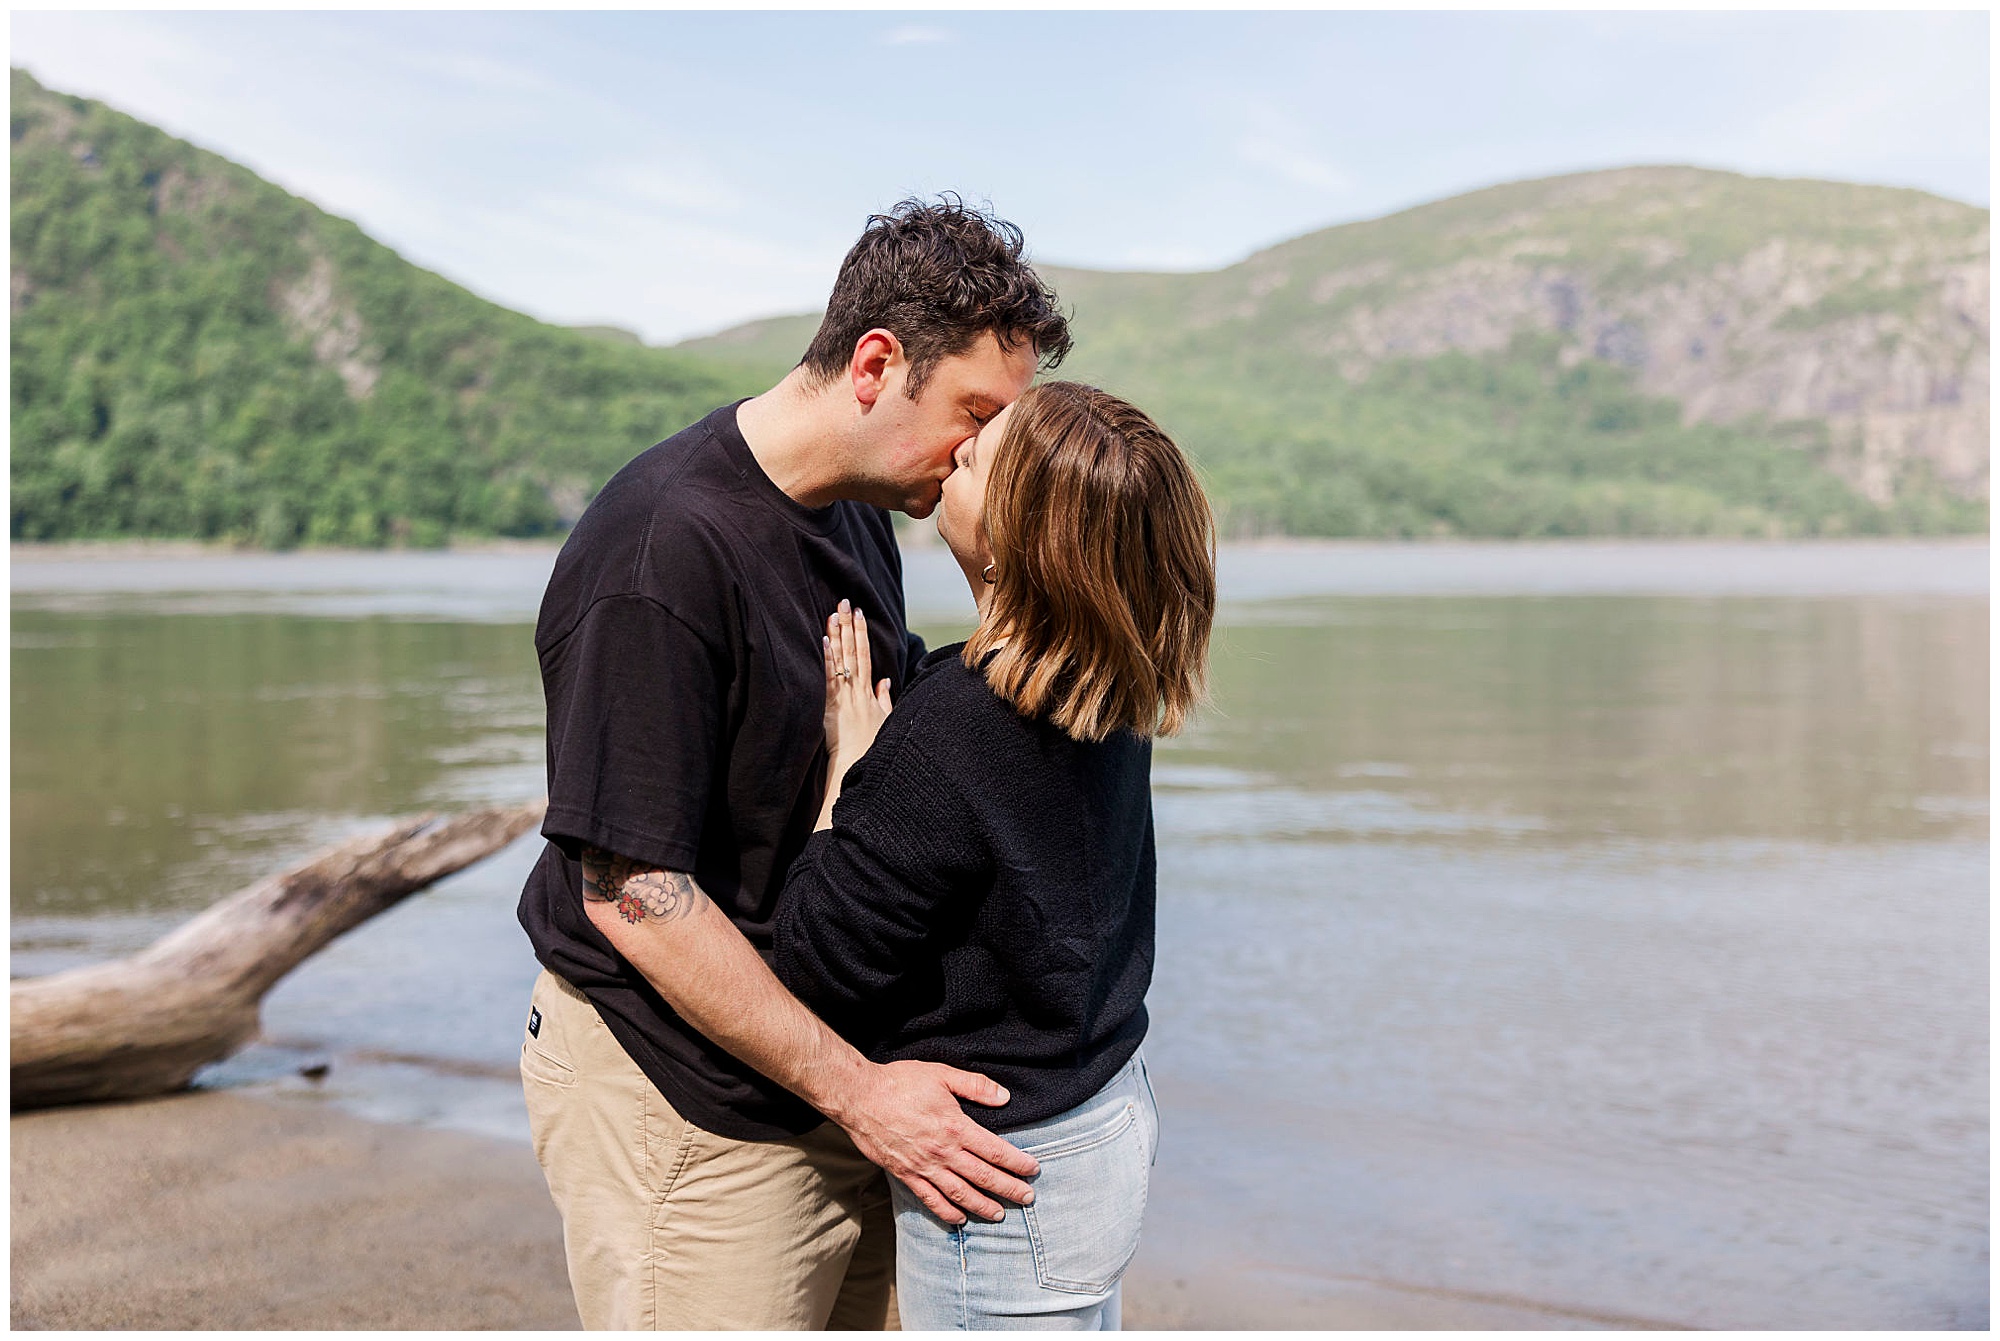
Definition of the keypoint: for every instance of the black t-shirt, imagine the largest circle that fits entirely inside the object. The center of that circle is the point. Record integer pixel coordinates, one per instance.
(680, 650)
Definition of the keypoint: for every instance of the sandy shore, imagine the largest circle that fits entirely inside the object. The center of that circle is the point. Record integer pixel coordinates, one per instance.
(218, 1210)
(215, 1210)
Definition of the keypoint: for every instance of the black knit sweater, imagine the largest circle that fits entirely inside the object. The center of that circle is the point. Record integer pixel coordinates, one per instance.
(984, 897)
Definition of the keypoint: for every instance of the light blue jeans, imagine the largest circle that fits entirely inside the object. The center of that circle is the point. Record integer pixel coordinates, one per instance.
(1052, 1266)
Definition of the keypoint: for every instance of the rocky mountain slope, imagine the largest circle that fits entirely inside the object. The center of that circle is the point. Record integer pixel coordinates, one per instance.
(1848, 322)
(1657, 351)
(1742, 299)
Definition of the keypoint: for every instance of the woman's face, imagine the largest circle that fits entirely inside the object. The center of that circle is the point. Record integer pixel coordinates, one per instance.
(964, 498)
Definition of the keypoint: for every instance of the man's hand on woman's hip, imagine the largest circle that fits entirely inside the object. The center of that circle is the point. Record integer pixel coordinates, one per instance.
(903, 1116)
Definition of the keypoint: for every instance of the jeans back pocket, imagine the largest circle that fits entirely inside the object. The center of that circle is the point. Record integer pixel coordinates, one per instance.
(1089, 1200)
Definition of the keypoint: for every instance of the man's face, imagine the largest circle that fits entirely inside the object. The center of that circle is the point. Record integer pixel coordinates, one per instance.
(964, 500)
(911, 442)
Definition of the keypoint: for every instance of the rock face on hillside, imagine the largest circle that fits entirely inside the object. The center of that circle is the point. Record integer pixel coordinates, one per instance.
(1656, 351)
(1858, 314)
(1743, 299)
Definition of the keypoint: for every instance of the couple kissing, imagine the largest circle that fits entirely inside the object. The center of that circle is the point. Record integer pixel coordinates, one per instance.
(846, 941)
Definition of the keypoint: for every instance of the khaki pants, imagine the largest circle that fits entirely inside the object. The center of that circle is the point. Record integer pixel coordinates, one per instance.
(671, 1227)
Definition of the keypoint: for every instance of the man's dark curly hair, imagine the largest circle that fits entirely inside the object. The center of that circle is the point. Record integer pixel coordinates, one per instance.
(937, 275)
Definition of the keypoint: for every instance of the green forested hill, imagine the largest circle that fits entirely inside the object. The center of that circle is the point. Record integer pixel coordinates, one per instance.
(1652, 351)
(198, 353)
(1657, 351)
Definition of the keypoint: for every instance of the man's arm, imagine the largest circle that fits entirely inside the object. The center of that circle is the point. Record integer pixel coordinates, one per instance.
(903, 1116)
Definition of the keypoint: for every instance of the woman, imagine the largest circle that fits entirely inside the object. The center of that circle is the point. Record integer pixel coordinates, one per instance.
(979, 890)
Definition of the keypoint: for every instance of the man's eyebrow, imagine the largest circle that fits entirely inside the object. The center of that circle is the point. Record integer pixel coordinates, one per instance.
(981, 403)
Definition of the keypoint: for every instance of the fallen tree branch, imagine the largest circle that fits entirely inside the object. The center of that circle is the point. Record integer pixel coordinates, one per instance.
(145, 1024)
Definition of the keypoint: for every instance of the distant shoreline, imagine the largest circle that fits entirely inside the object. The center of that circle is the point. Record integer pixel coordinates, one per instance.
(75, 551)
(504, 580)
(146, 548)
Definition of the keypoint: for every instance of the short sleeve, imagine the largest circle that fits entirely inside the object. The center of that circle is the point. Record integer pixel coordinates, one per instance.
(636, 703)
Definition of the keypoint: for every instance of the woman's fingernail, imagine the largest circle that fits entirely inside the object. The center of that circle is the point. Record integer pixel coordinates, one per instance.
(843, 605)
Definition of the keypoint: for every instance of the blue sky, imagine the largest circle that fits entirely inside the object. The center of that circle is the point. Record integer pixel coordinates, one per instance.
(677, 172)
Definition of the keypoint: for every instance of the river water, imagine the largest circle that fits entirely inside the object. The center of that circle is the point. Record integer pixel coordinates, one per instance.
(1550, 935)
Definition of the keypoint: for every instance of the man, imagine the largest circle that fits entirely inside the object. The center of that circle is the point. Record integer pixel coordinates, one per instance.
(675, 1090)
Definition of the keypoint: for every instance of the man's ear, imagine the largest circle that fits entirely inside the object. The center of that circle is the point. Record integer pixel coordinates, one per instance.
(874, 355)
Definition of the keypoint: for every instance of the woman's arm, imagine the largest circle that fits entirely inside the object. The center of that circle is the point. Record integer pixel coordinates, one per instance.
(871, 888)
(854, 711)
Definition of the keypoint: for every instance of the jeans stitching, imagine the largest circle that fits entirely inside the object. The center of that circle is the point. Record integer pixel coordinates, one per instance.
(1043, 1276)
(1071, 1145)
(964, 1281)
(1035, 1242)
(1146, 1078)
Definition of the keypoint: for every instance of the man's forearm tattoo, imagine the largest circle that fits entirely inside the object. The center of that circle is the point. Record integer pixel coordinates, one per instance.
(640, 891)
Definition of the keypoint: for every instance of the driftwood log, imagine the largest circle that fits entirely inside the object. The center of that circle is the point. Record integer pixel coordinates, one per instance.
(145, 1024)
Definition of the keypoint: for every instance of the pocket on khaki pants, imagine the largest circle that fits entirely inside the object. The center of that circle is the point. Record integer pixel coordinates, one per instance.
(586, 1113)
(546, 1053)
(542, 1066)
(548, 1069)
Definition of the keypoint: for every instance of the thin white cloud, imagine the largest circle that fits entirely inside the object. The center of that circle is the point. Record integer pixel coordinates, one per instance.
(680, 183)
(1279, 143)
(572, 259)
(1293, 164)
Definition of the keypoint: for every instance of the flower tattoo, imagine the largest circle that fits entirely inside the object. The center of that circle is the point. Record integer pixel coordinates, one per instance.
(638, 890)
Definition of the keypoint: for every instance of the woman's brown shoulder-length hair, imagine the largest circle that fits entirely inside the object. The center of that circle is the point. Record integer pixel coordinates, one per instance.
(1103, 567)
